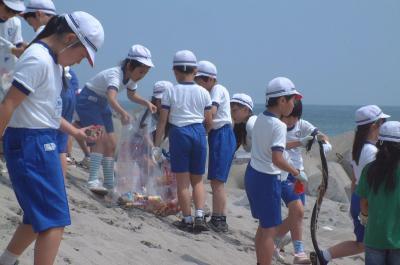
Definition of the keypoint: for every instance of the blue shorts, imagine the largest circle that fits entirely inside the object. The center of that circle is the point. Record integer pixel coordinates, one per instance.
(93, 109)
(33, 163)
(188, 149)
(264, 194)
(288, 195)
(221, 148)
(302, 196)
(355, 211)
(62, 142)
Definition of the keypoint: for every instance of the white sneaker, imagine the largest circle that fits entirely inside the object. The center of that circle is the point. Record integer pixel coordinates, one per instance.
(96, 186)
(301, 258)
(278, 257)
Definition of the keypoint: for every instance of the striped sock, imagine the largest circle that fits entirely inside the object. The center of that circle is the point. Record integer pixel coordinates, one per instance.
(298, 246)
(95, 162)
(108, 172)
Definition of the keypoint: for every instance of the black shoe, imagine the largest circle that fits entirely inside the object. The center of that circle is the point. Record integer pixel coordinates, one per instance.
(182, 225)
(200, 225)
(218, 224)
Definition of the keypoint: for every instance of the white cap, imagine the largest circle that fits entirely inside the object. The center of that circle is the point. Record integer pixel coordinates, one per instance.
(369, 114)
(243, 99)
(160, 87)
(186, 58)
(390, 131)
(141, 54)
(17, 5)
(89, 31)
(206, 68)
(281, 86)
(46, 6)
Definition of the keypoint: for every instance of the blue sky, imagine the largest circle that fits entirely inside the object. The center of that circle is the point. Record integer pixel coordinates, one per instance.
(342, 52)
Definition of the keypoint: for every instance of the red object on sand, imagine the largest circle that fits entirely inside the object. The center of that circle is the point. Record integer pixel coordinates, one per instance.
(299, 187)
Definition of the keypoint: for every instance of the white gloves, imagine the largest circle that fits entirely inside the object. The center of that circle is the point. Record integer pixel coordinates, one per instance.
(363, 219)
(327, 147)
(304, 141)
(6, 43)
(157, 155)
(66, 73)
(302, 177)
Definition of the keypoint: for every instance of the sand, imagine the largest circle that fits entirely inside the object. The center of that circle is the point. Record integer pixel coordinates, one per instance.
(101, 234)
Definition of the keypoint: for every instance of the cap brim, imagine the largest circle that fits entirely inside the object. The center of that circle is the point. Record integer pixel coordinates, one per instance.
(204, 74)
(91, 54)
(19, 6)
(31, 10)
(241, 102)
(144, 61)
(384, 116)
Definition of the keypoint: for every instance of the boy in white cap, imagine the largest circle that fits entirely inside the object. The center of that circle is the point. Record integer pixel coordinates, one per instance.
(243, 119)
(262, 178)
(38, 13)
(158, 91)
(379, 190)
(32, 112)
(94, 105)
(186, 106)
(221, 142)
(369, 120)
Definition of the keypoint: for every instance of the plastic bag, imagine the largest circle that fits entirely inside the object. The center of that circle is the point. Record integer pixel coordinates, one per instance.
(140, 181)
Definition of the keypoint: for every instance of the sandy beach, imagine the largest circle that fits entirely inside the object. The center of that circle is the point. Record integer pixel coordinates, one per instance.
(101, 234)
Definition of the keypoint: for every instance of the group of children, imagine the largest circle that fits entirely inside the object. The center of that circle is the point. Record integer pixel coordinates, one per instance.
(35, 118)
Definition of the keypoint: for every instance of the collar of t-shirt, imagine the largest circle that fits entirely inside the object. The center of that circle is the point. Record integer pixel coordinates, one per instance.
(270, 114)
(52, 54)
(2, 20)
(369, 142)
(186, 83)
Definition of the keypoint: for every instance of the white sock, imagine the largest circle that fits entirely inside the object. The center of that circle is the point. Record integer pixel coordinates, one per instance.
(199, 213)
(327, 255)
(8, 258)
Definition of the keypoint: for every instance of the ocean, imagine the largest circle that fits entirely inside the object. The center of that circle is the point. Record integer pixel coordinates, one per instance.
(331, 120)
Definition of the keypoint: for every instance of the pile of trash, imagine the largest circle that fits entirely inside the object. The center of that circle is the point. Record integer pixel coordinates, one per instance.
(141, 181)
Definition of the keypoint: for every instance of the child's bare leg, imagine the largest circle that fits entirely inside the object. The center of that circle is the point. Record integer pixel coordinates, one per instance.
(22, 238)
(47, 244)
(198, 191)
(183, 183)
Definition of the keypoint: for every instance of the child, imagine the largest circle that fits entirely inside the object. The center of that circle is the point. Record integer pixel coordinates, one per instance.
(158, 91)
(186, 106)
(379, 190)
(10, 31)
(32, 112)
(262, 178)
(38, 13)
(368, 119)
(93, 107)
(221, 142)
(299, 133)
(243, 119)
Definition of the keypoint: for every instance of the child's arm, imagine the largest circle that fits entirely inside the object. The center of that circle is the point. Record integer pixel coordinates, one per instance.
(162, 122)
(208, 119)
(112, 99)
(279, 161)
(11, 101)
(79, 134)
(133, 96)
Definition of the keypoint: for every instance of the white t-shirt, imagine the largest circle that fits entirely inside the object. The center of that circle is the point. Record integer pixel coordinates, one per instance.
(11, 31)
(368, 154)
(249, 130)
(186, 103)
(269, 134)
(301, 129)
(112, 77)
(38, 75)
(220, 98)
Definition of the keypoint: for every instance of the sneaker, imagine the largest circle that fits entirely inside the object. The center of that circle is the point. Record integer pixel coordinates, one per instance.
(200, 225)
(301, 258)
(85, 163)
(324, 261)
(95, 186)
(182, 225)
(278, 257)
(218, 224)
(280, 243)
